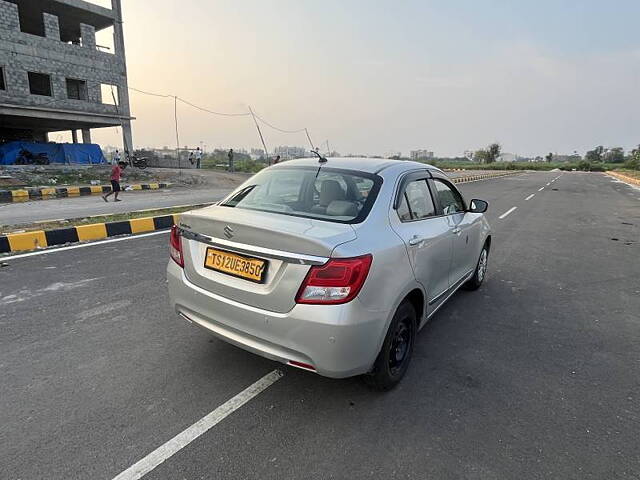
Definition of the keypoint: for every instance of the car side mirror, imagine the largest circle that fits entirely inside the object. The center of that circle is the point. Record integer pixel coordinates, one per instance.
(478, 206)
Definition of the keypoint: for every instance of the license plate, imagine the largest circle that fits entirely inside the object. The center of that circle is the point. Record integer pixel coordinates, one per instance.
(252, 269)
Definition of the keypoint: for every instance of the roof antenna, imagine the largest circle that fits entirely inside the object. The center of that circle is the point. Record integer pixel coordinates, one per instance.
(321, 159)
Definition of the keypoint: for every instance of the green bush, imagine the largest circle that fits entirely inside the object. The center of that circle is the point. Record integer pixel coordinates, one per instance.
(632, 164)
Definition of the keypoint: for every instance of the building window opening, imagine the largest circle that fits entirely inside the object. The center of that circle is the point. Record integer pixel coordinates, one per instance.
(40, 84)
(31, 20)
(109, 94)
(105, 40)
(76, 89)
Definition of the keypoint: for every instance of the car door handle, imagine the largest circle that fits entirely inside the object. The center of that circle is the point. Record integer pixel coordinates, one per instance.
(456, 230)
(415, 240)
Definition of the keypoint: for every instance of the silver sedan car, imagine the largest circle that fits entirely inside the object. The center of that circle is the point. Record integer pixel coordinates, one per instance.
(331, 266)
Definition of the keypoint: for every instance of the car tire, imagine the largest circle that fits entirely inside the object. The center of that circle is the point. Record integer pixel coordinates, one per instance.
(397, 349)
(481, 270)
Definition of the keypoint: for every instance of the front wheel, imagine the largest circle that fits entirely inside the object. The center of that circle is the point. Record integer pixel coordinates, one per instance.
(481, 270)
(393, 360)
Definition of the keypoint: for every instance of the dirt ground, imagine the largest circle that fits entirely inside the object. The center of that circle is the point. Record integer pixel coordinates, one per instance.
(46, 176)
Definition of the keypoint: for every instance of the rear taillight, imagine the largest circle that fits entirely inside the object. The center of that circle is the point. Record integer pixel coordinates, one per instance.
(337, 281)
(175, 246)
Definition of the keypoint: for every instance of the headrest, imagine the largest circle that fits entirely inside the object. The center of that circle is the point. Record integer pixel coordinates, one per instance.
(342, 208)
(330, 190)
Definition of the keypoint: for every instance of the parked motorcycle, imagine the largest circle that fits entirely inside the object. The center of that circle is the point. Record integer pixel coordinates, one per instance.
(25, 157)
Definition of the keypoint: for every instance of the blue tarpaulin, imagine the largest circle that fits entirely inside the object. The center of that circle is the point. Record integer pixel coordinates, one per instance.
(28, 153)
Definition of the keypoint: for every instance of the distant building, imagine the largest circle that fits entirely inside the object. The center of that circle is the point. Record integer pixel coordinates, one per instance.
(421, 155)
(288, 153)
(53, 75)
(566, 158)
(507, 157)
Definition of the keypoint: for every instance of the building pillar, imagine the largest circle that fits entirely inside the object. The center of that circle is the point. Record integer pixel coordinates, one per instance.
(88, 36)
(51, 26)
(86, 135)
(127, 139)
(74, 136)
(123, 87)
(9, 17)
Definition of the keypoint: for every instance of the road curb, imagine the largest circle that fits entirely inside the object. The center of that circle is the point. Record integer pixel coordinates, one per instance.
(47, 193)
(484, 176)
(624, 178)
(20, 242)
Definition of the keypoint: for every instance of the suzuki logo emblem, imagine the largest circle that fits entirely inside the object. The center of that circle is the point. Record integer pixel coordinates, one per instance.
(228, 231)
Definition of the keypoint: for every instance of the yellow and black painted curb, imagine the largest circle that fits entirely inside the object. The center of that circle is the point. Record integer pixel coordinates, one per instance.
(45, 193)
(17, 242)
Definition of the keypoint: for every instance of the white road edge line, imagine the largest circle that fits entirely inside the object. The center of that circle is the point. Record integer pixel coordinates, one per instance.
(507, 212)
(530, 196)
(82, 245)
(177, 443)
(540, 189)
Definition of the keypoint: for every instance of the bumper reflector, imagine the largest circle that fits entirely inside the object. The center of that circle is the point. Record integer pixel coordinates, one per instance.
(305, 366)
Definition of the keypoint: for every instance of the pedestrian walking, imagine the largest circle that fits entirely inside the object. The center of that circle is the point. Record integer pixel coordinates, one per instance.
(277, 160)
(191, 158)
(116, 173)
(116, 158)
(230, 155)
(198, 157)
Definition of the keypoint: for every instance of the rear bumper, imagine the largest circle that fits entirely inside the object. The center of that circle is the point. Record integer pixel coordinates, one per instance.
(338, 340)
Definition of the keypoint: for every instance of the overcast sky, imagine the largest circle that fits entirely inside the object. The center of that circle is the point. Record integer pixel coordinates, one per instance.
(382, 76)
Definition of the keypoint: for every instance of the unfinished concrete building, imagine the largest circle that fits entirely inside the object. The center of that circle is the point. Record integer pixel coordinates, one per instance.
(53, 75)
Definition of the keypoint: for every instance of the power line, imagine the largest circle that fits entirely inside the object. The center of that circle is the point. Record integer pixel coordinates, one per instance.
(282, 130)
(212, 112)
(149, 93)
(175, 97)
(276, 128)
(251, 114)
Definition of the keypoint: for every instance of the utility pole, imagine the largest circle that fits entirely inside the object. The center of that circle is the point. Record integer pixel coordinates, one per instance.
(175, 118)
(260, 134)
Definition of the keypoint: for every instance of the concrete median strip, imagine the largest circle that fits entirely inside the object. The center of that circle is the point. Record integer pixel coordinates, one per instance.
(47, 193)
(484, 176)
(24, 241)
(39, 239)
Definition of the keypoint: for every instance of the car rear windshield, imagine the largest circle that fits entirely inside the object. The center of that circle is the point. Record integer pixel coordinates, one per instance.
(330, 194)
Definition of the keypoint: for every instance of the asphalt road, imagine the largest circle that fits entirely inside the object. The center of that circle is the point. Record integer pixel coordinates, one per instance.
(536, 375)
(77, 207)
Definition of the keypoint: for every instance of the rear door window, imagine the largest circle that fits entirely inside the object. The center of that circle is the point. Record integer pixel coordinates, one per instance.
(416, 202)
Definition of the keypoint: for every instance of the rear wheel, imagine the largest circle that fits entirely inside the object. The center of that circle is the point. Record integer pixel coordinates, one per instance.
(393, 360)
(481, 270)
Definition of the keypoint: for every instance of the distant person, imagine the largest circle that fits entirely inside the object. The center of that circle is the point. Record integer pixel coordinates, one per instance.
(277, 160)
(116, 173)
(198, 157)
(191, 158)
(116, 158)
(230, 155)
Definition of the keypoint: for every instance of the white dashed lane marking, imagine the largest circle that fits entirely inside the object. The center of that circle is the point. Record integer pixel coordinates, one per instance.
(540, 189)
(507, 213)
(530, 197)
